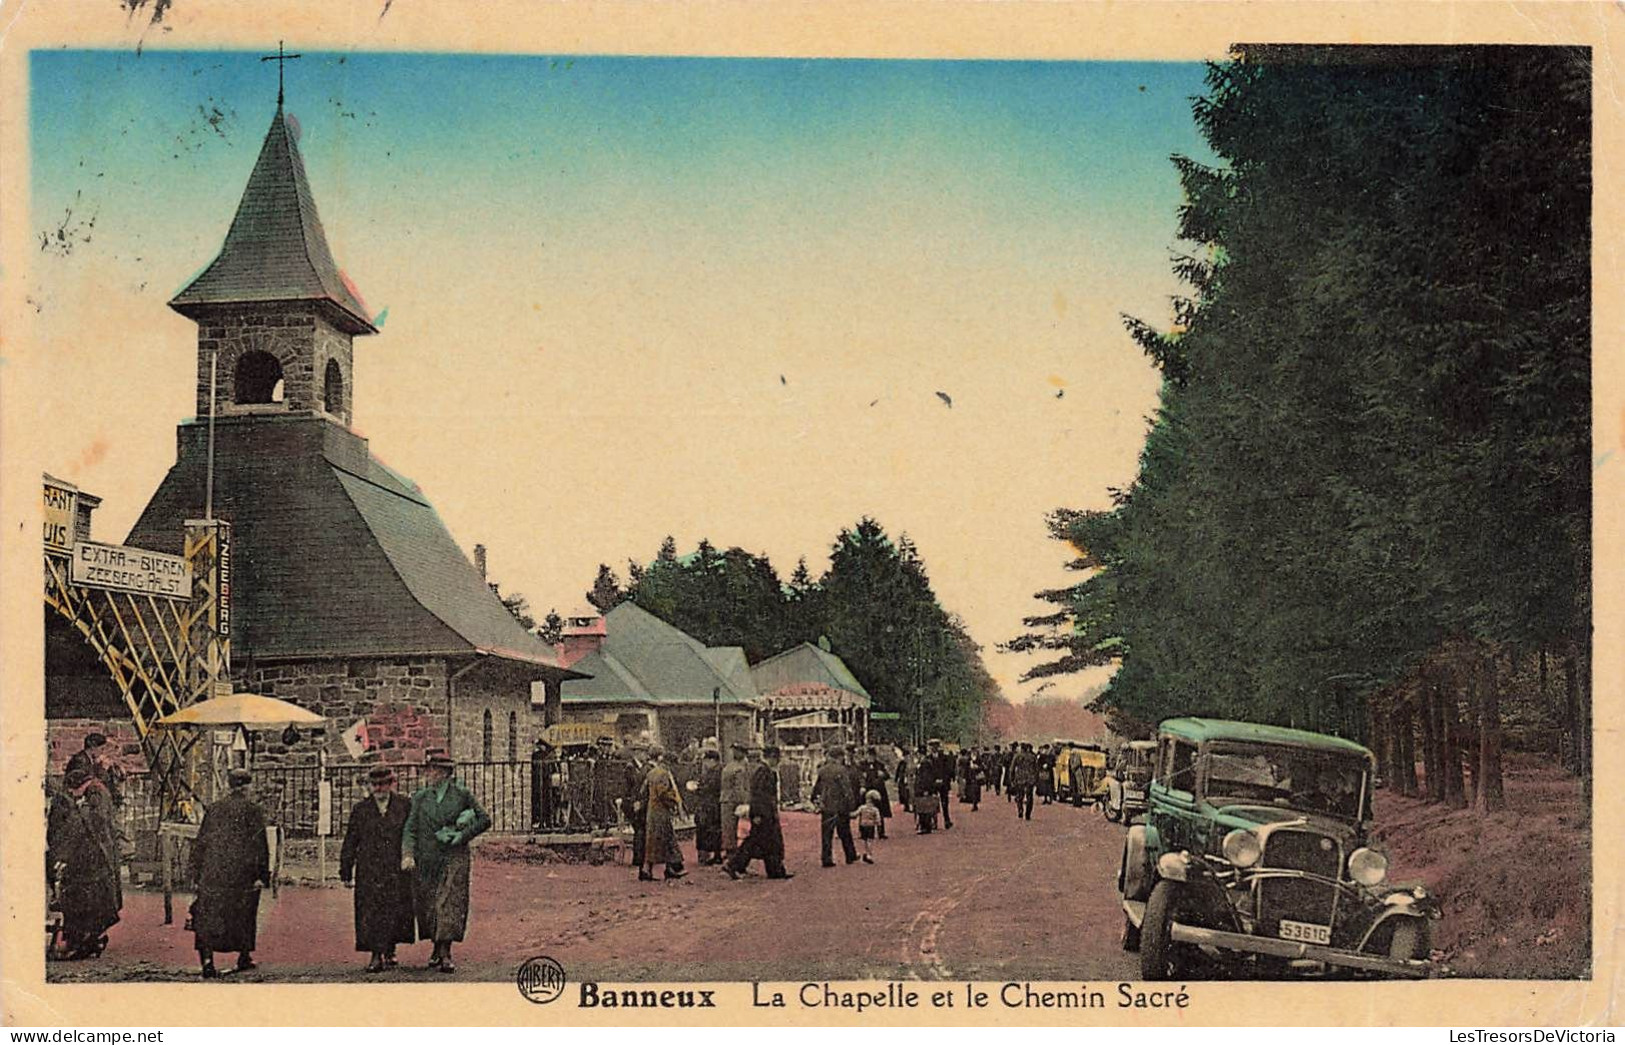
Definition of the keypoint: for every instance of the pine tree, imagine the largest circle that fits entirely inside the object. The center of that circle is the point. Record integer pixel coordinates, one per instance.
(606, 591)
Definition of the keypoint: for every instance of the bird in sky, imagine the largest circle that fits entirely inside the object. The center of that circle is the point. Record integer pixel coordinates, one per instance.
(946, 399)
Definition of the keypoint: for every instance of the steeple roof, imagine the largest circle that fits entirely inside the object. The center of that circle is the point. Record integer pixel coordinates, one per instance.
(276, 249)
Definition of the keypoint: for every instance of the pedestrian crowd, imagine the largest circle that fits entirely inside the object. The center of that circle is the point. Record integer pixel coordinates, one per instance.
(408, 861)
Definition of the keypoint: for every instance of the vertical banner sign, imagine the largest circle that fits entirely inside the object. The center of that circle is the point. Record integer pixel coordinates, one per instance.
(223, 546)
(60, 507)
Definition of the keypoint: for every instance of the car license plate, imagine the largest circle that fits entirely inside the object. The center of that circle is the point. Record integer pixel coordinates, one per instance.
(1303, 932)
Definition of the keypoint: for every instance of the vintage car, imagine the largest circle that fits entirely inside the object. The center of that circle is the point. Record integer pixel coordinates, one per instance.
(1127, 782)
(1079, 768)
(1254, 856)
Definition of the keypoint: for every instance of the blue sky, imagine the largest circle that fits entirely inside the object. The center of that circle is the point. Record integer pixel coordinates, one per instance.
(599, 269)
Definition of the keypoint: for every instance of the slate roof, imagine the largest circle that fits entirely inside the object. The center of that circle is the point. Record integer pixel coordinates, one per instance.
(806, 664)
(335, 555)
(276, 249)
(644, 660)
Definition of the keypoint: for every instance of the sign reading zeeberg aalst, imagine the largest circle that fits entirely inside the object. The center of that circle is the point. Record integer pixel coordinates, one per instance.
(121, 568)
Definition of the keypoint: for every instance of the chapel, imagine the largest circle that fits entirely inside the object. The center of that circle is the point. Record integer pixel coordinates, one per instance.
(349, 595)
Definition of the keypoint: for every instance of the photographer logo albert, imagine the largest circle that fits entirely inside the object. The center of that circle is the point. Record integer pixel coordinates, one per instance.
(541, 980)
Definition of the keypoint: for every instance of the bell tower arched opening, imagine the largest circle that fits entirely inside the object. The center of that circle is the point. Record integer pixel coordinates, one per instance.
(333, 389)
(257, 379)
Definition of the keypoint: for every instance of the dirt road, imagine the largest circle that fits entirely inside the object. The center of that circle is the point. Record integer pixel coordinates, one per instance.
(993, 899)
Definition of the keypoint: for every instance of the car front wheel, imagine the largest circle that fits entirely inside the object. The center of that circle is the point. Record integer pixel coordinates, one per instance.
(1412, 940)
(1160, 957)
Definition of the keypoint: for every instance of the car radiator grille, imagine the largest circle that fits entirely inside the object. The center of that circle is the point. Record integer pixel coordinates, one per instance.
(1296, 898)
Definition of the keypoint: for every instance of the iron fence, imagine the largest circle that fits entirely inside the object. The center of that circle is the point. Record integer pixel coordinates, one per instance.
(290, 794)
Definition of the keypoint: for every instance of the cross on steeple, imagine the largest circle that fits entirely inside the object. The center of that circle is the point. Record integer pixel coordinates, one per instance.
(280, 59)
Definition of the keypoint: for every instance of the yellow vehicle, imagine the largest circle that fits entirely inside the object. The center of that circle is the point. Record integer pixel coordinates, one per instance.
(1079, 768)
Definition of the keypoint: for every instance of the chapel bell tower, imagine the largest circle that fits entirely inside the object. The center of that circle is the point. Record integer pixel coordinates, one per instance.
(273, 309)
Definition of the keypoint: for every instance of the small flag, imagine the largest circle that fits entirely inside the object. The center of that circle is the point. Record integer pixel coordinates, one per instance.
(355, 738)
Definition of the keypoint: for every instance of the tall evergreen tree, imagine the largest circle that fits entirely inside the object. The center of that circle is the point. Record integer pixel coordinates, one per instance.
(1373, 438)
(606, 591)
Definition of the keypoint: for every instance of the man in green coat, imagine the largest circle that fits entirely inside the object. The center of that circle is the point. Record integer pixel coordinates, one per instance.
(434, 844)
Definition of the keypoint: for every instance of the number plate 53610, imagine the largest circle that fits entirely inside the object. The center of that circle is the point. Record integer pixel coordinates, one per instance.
(1303, 932)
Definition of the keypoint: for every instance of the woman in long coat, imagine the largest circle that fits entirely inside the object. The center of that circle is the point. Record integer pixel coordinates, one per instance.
(708, 808)
(662, 800)
(434, 843)
(88, 888)
(971, 789)
(874, 777)
(905, 781)
(1046, 774)
(371, 859)
(231, 859)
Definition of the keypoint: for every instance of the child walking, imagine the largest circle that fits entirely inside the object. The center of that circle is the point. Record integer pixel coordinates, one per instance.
(869, 823)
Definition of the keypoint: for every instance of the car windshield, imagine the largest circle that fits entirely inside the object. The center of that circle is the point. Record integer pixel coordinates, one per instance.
(1308, 781)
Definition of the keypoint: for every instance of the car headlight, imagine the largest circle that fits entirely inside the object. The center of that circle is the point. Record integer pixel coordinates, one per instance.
(1367, 866)
(1241, 848)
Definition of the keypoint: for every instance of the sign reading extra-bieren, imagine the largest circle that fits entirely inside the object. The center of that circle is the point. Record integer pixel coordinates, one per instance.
(137, 570)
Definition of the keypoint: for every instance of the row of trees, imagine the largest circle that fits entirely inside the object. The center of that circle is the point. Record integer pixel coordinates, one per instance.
(874, 607)
(1044, 717)
(1363, 505)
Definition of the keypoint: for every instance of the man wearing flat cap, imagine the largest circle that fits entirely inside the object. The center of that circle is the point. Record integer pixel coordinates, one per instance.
(231, 862)
(371, 861)
(434, 843)
(835, 798)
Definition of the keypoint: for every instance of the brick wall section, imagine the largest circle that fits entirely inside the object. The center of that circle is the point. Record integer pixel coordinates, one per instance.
(403, 702)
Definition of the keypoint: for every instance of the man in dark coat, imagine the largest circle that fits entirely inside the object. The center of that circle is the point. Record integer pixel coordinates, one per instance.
(1007, 760)
(95, 759)
(835, 798)
(1023, 775)
(231, 862)
(872, 776)
(634, 798)
(905, 782)
(708, 806)
(371, 860)
(766, 839)
(942, 777)
(924, 792)
(80, 856)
